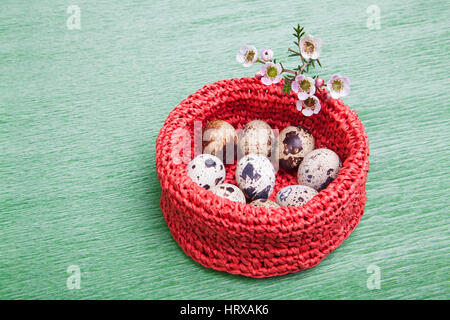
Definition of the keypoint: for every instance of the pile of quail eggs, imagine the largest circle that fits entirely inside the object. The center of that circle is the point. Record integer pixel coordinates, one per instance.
(255, 173)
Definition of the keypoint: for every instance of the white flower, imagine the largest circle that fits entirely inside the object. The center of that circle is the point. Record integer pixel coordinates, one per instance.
(310, 47)
(267, 54)
(339, 86)
(247, 55)
(309, 106)
(271, 73)
(304, 86)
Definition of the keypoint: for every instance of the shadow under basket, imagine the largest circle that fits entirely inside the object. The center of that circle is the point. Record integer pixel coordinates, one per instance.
(243, 239)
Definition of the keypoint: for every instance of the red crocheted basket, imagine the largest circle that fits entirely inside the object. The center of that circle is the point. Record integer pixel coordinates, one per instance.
(261, 242)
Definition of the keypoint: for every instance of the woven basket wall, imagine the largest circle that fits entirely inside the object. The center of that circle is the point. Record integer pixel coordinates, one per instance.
(262, 242)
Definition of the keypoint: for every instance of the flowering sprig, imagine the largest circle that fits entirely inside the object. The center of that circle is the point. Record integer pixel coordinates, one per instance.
(308, 49)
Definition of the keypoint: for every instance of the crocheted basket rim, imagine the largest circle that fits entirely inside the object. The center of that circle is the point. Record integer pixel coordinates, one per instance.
(222, 211)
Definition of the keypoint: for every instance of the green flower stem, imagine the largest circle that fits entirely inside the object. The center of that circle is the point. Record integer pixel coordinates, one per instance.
(293, 51)
(304, 63)
(282, 68)
(260, 61)
(304, 66)
(286, 70)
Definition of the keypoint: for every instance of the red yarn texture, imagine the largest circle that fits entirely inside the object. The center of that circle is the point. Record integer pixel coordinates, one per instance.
(262, 242)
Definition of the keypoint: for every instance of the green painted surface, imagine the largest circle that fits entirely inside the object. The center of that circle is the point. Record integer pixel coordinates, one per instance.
(80, 111)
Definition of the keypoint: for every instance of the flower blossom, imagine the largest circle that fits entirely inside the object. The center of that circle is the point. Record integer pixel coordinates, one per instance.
(304, 86)
(247, 55)
(267, 54)
(310, 47)
(271, 73)
(309, 106)
(339, 86)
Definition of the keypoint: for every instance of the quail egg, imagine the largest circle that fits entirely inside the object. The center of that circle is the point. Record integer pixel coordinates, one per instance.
(255, 176)
(230, 192)
(294, 143)
(220, 139)
(256, 137)
(264, 203)
(206, 170)
(319, 168)
(294, 196)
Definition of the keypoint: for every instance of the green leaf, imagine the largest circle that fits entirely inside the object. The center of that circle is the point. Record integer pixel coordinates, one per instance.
(287, 84)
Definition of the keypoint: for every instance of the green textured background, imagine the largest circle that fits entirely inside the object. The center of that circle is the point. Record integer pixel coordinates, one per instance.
(80, 111)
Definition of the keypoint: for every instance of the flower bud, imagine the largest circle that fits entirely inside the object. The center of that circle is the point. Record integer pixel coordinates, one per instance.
(267, 55)
(319, 82)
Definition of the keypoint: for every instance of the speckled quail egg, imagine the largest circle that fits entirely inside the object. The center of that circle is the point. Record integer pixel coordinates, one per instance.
(220, 139)
(230, 192)
(294, 143)
(319, 168)
(206, 170)
(294, 196)
(256, 137)
(264, 203)
(255, 176)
